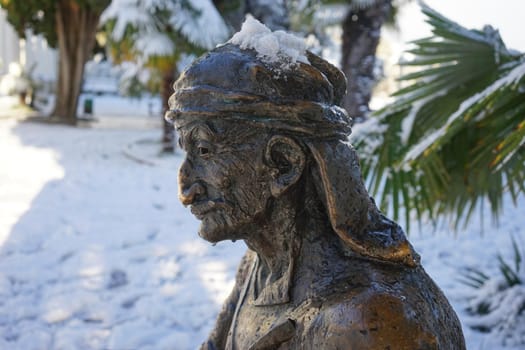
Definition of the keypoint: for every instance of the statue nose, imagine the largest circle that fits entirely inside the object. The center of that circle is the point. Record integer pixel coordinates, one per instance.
(188, 195)
(190, 188)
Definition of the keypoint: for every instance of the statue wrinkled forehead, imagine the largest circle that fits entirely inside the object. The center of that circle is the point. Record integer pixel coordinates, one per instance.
(230, 83)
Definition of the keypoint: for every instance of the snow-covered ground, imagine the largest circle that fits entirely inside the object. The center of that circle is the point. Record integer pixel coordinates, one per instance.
(96, 252)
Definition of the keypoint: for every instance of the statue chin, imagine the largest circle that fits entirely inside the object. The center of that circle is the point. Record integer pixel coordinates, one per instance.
(214, 232)
(208, 233)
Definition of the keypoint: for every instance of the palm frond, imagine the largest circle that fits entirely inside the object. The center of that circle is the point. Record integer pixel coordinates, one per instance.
(455, 135)
(200, 22)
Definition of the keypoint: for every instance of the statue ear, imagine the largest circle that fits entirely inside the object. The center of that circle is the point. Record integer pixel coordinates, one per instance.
(286, 160)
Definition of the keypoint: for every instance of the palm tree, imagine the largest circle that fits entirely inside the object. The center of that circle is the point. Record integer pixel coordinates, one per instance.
(455, 136)
(158, 34)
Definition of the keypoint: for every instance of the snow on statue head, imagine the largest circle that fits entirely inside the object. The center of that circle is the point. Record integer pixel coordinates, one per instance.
(268, 162)
(270, 46)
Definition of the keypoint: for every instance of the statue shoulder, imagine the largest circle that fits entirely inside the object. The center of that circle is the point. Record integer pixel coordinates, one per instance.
(371, 320)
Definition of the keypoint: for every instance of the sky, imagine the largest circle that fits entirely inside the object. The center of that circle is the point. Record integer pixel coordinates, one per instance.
(505, 15)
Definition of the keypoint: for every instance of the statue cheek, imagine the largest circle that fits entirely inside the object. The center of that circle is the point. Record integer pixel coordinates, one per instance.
(224, 182)
(251, 198)
(219, 176)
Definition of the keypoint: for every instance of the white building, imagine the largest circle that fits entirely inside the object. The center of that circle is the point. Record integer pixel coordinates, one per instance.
(9, 44)
(31, 53)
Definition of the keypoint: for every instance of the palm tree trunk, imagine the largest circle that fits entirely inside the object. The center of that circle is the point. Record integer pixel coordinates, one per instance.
(76, 28)
(361, 32)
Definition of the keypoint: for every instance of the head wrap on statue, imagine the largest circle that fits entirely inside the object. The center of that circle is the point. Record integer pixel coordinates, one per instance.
(301, 100)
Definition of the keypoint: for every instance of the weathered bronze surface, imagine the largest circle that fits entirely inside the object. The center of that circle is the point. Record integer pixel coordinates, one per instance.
(267, 162)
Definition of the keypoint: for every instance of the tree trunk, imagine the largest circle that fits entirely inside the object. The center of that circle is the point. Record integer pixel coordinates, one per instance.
(76, 28)
(168, 132)
(361, 32)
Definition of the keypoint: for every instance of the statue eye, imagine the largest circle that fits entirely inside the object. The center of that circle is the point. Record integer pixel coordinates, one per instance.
(203, 151)
(203, 148)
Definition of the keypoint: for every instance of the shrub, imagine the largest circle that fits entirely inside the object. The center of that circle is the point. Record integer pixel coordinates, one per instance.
(497, 305)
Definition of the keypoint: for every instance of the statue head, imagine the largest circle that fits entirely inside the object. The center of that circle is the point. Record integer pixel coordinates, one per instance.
(253, 127)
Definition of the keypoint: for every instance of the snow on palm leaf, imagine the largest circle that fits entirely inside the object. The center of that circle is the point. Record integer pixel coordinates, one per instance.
(455, 136)
(200, 23)
(157, 25)
(433, 140)
(154, 44)
(125, 13)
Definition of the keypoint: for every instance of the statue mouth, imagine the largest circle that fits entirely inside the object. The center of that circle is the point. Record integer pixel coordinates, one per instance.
(201, 208)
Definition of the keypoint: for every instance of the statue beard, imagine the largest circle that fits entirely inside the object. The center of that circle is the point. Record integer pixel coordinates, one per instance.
(234, 217)
(237, 210)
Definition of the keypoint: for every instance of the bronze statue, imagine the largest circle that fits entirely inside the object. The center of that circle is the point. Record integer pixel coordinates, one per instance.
(268, 162)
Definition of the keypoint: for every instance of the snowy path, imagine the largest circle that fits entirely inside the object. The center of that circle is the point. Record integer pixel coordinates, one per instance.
(97, 253)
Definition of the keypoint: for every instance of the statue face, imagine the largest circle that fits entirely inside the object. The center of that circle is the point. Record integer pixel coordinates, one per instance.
(223, 179)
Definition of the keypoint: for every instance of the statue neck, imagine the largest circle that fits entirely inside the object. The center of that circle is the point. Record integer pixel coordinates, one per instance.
(275, 240)
(285, 242)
